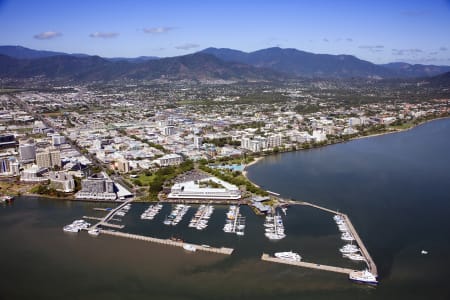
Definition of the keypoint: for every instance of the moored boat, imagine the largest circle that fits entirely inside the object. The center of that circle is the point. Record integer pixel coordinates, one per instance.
(363, 277)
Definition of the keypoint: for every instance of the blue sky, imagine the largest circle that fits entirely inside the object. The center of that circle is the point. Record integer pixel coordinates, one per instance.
(379, 31)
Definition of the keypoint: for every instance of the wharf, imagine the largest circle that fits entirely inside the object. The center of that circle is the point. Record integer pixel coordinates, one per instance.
(106, 224)
(92, 218)
(222, 250)
(365, 253)
(370, 262)
(266, 257)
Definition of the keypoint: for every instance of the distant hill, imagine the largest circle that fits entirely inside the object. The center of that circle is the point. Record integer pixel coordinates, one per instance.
(308, 64)
(209, 64)
(138, 59)
(197, 66)
(26, 53)
(417, 70)
(440, 81)
(303, 63)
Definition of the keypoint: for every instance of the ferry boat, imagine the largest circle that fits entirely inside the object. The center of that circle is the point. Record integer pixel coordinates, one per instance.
(363, 277)
(189, 247)
(289, 255)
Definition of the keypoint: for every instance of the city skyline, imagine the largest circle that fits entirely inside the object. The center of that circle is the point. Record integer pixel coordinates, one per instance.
(380, 32)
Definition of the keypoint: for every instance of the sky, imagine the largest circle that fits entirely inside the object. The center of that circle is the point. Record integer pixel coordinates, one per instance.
(414, 31)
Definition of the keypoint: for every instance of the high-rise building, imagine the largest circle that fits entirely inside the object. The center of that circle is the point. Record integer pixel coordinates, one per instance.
(27, 152)
(62, 181)
(48, 158)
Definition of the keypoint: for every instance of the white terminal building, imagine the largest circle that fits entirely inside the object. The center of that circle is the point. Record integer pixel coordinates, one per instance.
(199, 190)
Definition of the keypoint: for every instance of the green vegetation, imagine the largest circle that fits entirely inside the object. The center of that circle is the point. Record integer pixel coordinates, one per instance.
(155, 181)
(42, 189)
(235, 178)
(220, 142)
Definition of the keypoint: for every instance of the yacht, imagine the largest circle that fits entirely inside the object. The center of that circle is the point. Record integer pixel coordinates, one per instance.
(94, 232)
(363, 277)
(354, 256)
(292, 256)
(6, 199)
(346, 236)
(189, 247)
(71, 228)
(349, 249)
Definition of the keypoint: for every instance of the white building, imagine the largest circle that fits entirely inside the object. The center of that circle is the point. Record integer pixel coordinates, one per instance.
(169, 160)
(48, 158)
(193, 190)
(61, 181)
(9, 166)
(33, 174)
(169, 130)
(58, 139)
(319, 136)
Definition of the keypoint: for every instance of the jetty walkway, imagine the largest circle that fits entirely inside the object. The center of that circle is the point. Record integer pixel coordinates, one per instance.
(266, 257)
(222, 250)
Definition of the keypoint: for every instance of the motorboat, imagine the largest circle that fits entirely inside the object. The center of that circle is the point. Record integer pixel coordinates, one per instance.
(289, 255)
(189, 247)
(363, 277)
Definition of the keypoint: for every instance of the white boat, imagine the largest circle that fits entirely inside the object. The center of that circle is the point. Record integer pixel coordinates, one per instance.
(354, 256)
(346, 236)
(424, 252)
(70, 228)
(189, 247)
(94, 232)
(349, 249)
(289, 255)
(363, 277)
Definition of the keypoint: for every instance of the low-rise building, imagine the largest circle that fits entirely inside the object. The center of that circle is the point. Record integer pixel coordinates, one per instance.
(62, 181)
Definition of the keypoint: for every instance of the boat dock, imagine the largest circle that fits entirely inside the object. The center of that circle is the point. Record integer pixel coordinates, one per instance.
(266, 257)
(222, 250)
(92, 218)
(370, 262)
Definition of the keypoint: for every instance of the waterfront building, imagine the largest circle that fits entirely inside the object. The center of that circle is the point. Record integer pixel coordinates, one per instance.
(201, 190)
(274, 141)
(33, 174)
(48, 158)
(27, 152)
(62, 181)
(9, 166)
(98, 186)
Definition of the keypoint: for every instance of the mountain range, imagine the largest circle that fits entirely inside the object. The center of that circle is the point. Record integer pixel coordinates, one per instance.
(209, 64)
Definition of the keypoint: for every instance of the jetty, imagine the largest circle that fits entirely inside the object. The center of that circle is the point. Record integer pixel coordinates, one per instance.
(205, 248)
(303, 264)
(370, 262)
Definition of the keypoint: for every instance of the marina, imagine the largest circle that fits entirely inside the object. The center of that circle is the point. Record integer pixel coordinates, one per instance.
(151, 211)
(176, 215)
(274, 228)
(200, 220)
(235, 222)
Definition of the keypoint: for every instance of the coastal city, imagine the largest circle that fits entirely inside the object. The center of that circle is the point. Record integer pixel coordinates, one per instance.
(182, 144)
(64, 141)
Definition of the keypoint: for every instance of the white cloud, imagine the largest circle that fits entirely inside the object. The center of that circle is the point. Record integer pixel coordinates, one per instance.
(157, 30)
(187, 46)
(47, 35)
(104, 35)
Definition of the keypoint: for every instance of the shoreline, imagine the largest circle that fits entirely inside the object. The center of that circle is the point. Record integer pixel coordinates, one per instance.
(259, 158)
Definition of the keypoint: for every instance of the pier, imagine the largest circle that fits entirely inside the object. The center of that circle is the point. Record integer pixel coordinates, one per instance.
(222, 250)
(266, 257)
(370, 262)
(104, 221)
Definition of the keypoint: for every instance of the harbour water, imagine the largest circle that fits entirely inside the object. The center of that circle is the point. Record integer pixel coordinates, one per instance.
(393, 187)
